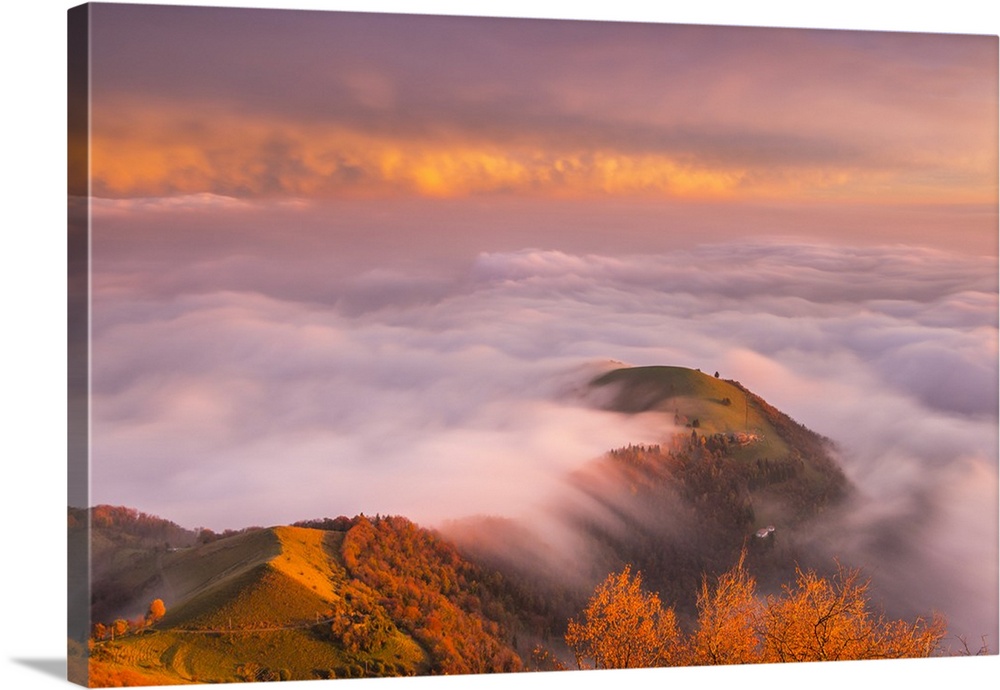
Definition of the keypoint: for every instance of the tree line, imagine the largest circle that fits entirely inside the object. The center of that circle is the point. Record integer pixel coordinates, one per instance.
(813, 619)
(122, 626)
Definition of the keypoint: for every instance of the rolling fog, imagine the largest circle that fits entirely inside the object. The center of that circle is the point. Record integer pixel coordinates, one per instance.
(235, 390)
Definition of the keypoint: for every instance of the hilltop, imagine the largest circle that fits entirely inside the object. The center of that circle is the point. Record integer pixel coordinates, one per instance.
(729, 467)
(733, 471)
(719, 420)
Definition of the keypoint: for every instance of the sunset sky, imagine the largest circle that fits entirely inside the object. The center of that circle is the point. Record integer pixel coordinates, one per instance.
(355, 263)
(307, 104)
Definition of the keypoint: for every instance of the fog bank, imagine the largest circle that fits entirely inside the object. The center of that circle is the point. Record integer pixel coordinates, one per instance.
(227, 401)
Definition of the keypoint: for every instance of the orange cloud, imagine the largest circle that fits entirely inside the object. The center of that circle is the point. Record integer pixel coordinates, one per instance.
(144, 151)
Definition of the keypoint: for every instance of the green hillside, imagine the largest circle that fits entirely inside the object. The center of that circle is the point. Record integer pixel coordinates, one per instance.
(382, 597)
(694, 400)
(644, 388)
(726, 417)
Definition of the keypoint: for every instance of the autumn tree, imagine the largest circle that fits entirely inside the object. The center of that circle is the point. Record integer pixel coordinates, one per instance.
(728, 615)
(100, 631)
(623, 626)
(359, 624)
(119, 627)
(816, 619)
(157, 609)
(822, 620)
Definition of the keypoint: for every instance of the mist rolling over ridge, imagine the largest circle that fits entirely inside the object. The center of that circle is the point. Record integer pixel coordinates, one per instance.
(448, 395)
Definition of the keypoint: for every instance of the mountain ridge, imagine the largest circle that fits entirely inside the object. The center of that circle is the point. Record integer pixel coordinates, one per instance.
(385, 596)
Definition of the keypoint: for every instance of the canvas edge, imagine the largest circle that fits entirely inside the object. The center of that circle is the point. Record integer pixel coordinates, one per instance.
(78, 342)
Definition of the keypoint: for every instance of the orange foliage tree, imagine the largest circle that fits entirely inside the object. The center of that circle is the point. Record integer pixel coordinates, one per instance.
(623, 626)
(100, 631)
(157, 609)
(728, 615)
(119, 627)
(821, 620)
(813, 620)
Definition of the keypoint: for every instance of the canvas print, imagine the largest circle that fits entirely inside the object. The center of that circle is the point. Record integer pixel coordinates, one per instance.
(414, 345)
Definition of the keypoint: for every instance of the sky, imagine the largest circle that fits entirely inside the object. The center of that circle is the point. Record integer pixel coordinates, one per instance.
(309, 104)
(432, 234)
(352, 263)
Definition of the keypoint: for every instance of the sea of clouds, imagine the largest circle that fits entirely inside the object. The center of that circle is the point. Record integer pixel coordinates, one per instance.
(232, 391)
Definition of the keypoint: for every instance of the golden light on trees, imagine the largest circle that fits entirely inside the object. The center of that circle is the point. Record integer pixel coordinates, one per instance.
(623, 626)
(815, 619)
(821, 620)
(727, 620)
(119, 628)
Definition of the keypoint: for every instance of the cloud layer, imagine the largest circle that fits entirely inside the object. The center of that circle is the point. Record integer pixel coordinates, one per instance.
(912, 329)
(225, 397)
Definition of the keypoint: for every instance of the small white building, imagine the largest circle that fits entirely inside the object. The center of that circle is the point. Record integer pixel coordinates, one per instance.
(764, 531)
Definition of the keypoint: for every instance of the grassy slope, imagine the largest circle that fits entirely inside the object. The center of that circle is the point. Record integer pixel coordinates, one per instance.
(309, 556)
(259, 592)
(200, 579)
(688, 395)
(276, 577)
